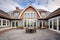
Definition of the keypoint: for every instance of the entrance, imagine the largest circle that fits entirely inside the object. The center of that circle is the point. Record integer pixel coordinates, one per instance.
(29, 22)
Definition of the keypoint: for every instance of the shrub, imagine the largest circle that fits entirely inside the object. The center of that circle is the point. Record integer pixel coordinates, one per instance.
(20, 27)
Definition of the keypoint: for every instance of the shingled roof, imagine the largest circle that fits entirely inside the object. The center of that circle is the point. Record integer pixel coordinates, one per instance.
(55, 13)
(4, 14)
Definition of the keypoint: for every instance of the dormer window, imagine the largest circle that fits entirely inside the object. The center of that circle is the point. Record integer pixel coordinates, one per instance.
(43, 14)
(16, 14)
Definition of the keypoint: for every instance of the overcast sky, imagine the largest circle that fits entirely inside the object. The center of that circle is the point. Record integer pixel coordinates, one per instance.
(9, 5)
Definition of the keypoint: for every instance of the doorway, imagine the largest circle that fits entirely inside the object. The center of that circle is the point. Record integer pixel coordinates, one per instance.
(30, 22)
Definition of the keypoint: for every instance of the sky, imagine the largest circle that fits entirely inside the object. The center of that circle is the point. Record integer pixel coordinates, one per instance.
(10, 5)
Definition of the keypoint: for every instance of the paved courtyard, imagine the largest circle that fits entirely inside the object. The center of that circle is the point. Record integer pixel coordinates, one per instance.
(18, 34)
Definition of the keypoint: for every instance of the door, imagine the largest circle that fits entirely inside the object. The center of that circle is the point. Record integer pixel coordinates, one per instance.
(30, 23)
(40, 24)
(13, 24)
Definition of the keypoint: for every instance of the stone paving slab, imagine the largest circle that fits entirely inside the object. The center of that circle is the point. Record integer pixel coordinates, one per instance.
(18, 34)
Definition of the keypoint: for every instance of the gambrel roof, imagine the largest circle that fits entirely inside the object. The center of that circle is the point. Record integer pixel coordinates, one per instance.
(53, 14)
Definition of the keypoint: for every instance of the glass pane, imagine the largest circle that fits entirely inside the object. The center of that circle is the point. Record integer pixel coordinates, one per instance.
(55, 24)
(7, 22)
(12, 24)
(29, 15)
(43, 23)
(40, 24)
(4, 22)
(16, 24)
(50, 23)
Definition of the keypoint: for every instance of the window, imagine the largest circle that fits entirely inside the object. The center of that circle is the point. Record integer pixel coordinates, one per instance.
(59, 24)
(34, 23)
(0, 22)
(16, 14)
(40, 23)
(30, 15)
(55, 24)
(50, 23)
(13, 24)
(7, 22)
(4, 22)
(43, 14)
(25, 23)
(16, 24)
(43, 23)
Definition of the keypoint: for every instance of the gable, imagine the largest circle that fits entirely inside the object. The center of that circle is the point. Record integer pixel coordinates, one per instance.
(28, 9)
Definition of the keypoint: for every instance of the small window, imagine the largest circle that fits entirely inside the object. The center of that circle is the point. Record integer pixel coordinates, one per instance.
(55, 24)
(50, 23)
(43, 23)
(13, 24)
(16, 24)
(7, 22)
(4, 22)
(16, 14)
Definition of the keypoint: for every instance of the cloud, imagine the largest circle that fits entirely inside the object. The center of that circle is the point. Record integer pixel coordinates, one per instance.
(53, 5)
(8, 5)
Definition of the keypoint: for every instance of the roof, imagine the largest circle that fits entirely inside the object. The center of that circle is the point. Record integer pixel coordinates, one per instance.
(55, 13)
(4, 14)
(28, 7)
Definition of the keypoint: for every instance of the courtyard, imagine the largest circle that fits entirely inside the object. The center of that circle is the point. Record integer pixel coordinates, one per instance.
(20, 34)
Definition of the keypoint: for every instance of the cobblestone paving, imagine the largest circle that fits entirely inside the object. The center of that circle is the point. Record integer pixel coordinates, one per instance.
(21, 35)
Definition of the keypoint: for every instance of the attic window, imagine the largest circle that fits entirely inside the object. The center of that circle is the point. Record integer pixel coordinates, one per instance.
(43, 14)
(16, 14)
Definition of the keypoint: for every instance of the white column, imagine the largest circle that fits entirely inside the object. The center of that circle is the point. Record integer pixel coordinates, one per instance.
(1, 22)
(11, 23)
(6, 22)
(49, 24)
(42, 24)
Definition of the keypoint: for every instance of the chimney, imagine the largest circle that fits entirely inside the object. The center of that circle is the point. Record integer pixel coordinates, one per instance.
(17, 8)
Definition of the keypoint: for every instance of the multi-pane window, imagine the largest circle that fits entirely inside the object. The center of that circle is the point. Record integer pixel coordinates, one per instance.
(50, 23)
(13, 24)
(4, 22)
(40, 23)
(16, 14)
(55, 24)
(29, 15)
(43, 23)
(7, 22)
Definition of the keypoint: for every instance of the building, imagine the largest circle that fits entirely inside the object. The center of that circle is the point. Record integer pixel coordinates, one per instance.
(31, 17)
